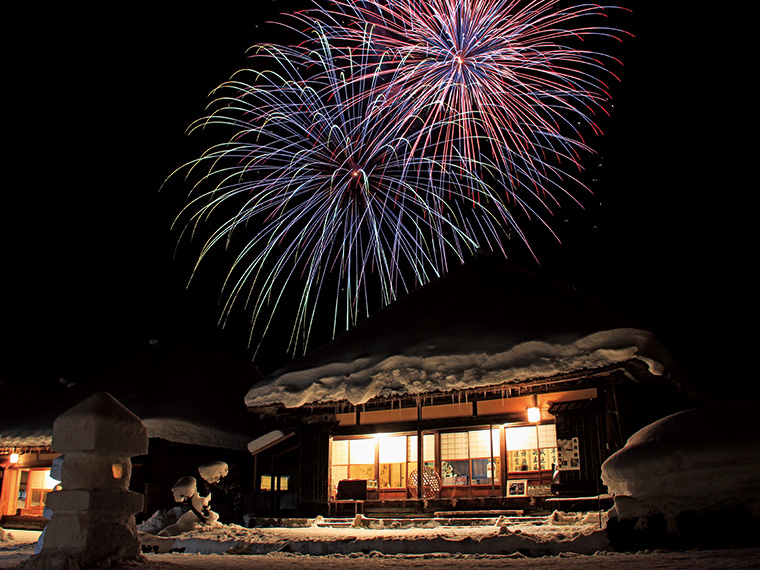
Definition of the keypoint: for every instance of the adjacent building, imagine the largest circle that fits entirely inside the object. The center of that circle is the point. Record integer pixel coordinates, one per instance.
(191, 402)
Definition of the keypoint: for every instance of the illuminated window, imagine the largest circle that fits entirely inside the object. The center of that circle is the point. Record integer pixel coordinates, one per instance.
(361, 455)
(428, 450)
(339, 463)
(361, 451)
(268, 480)
(30, 489)
(531, 448)
(352, 459)
(396, 458)
(393, 454)
(484, 456)
(469, 457)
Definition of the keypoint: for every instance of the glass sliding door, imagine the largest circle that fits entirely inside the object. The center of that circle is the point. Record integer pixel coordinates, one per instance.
(352, 459)
(471, 459)
(383, 460)
(393, 461)
(485, 457)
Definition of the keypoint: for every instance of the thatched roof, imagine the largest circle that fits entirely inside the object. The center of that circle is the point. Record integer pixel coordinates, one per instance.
(486, 323)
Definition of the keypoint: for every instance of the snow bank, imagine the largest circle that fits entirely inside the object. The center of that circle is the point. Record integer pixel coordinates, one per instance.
(700, 460)
(214, 471)
(416, 371)
(160, 520)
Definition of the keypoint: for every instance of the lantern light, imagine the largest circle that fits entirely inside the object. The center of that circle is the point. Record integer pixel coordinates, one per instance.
(14, 458)
(534, 415)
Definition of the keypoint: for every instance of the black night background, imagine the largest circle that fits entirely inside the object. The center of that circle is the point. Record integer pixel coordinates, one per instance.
(98, 102)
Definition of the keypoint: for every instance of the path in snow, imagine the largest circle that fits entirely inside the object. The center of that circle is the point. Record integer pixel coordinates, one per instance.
(13, 552)
(744, 559)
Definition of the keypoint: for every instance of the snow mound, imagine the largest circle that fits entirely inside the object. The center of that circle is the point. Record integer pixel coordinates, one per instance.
(160, 520)
(214, 471)
(700, 460)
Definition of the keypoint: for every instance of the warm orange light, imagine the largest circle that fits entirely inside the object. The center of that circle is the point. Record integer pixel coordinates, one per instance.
(14, 458)
(534, 415)
(117, 470)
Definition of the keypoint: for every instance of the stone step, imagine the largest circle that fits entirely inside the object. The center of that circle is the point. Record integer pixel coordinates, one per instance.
(396, 522)
(481, 513)
(335, 523)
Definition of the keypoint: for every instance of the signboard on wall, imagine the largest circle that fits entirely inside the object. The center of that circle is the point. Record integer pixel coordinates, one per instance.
(539, 490)
(568, 454)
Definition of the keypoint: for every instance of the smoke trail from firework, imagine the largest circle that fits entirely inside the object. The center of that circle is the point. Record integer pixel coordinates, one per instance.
(500, 80)
(327, 191)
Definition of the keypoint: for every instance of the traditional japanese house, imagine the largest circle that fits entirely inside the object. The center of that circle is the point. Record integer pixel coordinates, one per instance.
(497, 388)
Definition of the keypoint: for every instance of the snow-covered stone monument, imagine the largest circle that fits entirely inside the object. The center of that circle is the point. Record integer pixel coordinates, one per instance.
(93, 516)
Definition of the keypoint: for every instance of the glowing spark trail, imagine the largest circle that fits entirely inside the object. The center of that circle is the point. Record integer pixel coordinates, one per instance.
(329, 193)
(499, 80)
(389, 143)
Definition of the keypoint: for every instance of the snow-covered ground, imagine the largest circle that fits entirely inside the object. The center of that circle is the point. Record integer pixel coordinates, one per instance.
(16, 545)
(556, 544)
(578, 533)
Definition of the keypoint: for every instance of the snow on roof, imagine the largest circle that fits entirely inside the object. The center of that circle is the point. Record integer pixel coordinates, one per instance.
(193, 433)
(266, 441)
(483, 324)
(22, 426)
(11, 437)
(170, 429)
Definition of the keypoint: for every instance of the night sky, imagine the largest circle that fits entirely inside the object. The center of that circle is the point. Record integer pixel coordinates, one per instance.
(98, 107)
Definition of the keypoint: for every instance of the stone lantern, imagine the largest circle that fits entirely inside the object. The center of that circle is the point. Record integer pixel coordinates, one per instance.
(93, 516)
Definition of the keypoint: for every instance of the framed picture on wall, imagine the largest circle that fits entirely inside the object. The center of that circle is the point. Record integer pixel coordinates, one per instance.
(568, 454)
(517, 488)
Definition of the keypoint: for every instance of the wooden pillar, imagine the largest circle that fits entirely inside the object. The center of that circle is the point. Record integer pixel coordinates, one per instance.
(503, 455)
(420, 454)
(493, 465)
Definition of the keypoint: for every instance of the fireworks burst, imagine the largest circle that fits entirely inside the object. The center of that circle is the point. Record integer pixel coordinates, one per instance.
(387, 143)
(329, 191)
(498, 80)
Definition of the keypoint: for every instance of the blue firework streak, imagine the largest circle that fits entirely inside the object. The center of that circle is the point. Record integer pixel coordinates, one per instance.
(506, 81)
(327, 192)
